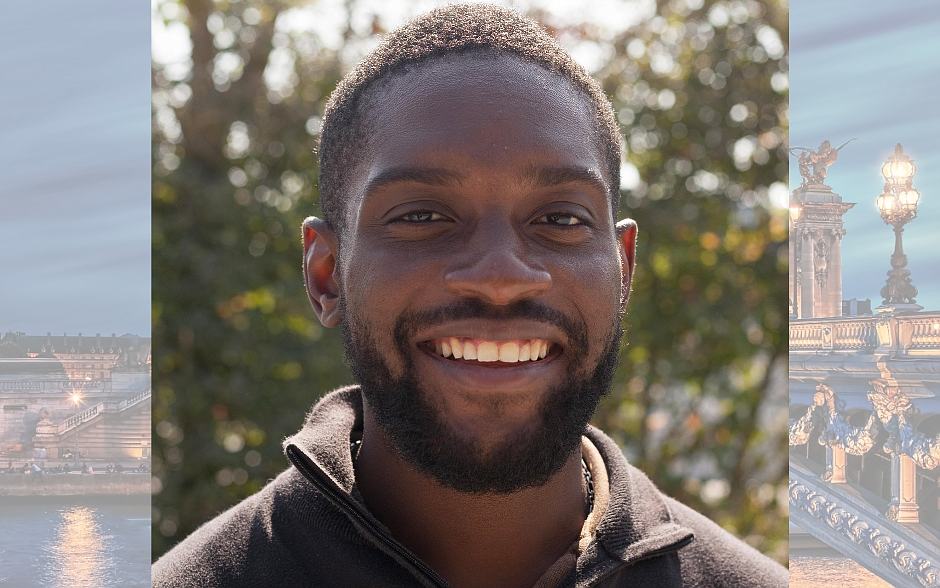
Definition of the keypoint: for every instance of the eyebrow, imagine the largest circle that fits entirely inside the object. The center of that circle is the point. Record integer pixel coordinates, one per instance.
(537, 177)
(429, 176)
(548, 177)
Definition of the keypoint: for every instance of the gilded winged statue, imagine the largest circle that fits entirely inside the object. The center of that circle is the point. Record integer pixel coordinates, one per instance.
(814, 164)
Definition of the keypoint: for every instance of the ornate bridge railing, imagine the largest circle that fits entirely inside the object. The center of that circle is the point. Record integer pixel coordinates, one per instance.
(901, 335)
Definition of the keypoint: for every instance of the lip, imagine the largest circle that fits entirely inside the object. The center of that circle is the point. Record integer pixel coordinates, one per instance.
(489, 330)
(493, 376)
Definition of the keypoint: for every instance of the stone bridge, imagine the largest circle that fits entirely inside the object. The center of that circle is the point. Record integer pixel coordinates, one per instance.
(865, 440)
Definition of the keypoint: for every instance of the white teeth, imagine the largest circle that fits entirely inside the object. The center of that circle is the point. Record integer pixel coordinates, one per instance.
(524, 354)
(469, 351)
(487, 351)
(490, 351)
(509, 352)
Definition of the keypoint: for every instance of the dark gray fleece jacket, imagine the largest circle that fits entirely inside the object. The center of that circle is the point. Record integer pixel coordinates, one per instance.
(309, 527)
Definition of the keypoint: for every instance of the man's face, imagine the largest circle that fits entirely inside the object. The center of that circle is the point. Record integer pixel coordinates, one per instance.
(480, 271)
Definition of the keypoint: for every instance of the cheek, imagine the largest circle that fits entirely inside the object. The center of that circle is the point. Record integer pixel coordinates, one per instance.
(379, 285)
(595, 282)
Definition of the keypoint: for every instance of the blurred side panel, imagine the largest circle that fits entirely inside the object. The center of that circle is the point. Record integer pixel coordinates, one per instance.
(864, 289)
(75, 378)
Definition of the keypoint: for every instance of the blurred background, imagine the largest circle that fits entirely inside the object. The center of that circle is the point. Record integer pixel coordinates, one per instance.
(700, 87)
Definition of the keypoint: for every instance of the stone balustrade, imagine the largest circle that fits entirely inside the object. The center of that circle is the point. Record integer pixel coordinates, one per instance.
(74, 421)
(54, 386)
(902, 335)
(102, 407)
(129, 402)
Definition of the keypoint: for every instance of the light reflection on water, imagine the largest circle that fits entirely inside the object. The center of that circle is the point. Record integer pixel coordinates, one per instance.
(74, 546)
(831, 572)
(79, 556)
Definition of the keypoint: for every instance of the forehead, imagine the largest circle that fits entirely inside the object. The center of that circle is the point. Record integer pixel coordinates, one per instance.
(484, 113)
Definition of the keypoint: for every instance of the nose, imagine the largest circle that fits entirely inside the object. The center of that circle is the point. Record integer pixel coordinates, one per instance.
(500, 276)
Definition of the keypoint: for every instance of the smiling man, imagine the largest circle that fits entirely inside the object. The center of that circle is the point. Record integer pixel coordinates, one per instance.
(469, 179)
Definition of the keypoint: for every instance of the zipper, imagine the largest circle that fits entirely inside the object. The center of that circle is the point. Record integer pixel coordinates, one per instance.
(311, 472)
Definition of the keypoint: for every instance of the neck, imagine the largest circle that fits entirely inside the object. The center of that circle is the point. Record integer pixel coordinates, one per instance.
(471, 539)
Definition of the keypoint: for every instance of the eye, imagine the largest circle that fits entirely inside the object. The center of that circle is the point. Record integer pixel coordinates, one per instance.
(421, 216)
(561, 219)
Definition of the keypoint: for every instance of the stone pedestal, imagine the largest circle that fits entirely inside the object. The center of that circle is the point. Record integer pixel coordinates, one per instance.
(816, 253)
(835, 456)
(45, 437)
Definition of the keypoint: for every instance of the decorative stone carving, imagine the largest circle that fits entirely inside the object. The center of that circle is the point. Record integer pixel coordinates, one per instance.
(802, 428)
(821, 261)
(923, 451)
(814, 165)
(895, 410)
(889, 402)
(865, 532)
(133, 360)
(838, 432)
(854, 440)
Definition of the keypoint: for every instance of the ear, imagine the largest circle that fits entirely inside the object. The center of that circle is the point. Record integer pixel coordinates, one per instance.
(626, 239)
(320, 249)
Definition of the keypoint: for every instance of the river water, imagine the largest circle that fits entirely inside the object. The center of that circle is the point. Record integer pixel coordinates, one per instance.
(84, 544)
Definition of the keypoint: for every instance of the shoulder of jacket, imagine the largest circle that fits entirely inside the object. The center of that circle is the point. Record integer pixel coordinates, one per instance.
(226, 550)
(717, 558)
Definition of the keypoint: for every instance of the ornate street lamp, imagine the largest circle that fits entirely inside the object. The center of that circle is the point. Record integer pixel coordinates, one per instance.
(898, 206)
(796, 213)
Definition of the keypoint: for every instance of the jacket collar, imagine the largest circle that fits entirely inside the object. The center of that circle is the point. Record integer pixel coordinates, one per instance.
(638, 523)
(324, 438)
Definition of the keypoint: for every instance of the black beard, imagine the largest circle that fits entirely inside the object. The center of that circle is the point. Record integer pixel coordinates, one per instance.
(526, 459)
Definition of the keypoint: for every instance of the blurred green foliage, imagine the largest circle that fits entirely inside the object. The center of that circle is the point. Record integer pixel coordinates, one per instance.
(698, 403)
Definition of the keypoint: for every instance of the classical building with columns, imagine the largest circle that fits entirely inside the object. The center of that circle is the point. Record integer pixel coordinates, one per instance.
(864, 409)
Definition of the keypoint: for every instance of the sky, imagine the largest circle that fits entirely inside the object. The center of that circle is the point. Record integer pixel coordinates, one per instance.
(871, 69)
(75, 168)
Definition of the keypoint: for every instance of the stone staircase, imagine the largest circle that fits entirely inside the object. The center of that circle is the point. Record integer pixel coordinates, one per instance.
(105, 431)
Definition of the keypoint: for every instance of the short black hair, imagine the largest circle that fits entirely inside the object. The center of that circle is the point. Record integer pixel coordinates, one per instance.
(449, 30)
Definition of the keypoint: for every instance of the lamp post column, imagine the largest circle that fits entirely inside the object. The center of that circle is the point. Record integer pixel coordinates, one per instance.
(796, 214)
(899, 289)
(898, 206)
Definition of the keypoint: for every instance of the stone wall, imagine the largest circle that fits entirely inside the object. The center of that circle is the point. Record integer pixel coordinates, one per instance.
(74, 484)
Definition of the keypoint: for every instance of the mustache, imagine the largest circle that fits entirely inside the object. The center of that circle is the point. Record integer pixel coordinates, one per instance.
(470, 308)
